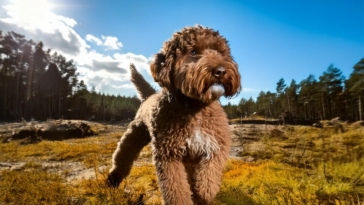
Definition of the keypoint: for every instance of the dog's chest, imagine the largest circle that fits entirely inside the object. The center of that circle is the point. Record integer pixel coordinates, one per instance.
(201, 144)
(189, 133)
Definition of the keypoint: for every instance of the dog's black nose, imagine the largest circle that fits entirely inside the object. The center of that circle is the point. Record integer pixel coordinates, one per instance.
(219, 72)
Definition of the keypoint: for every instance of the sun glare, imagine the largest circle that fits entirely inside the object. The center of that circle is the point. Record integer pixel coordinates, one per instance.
(35, 14)
(32, 6)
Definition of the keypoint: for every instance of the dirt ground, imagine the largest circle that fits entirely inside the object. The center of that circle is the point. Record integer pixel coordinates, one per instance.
(245, 136)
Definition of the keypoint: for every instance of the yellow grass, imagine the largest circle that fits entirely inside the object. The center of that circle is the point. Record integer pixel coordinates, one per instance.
(302, 165)
(251, 117)
(75, 149)
(32, 187)
(277, 183)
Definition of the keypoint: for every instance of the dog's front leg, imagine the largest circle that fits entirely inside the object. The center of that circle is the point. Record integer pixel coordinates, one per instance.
(173, 182)
(207, 178)
(128, 149)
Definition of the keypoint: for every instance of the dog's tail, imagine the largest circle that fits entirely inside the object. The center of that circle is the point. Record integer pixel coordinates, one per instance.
(144, 89)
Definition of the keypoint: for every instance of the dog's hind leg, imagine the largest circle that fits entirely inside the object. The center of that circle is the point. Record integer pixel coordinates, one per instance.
(128, 149)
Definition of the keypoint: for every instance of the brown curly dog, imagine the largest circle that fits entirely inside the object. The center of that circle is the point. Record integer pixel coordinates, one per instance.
(184, 121)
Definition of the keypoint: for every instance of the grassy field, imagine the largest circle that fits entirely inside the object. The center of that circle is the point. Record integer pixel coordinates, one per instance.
(287, 165)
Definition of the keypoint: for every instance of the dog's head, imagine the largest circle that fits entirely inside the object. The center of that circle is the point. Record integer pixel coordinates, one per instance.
(197, 62)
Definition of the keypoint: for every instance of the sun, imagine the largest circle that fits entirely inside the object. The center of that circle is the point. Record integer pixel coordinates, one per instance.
(34, 14)
(31, 6)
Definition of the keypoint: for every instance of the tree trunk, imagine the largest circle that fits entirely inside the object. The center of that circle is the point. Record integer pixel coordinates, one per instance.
(5, 97)
(59, 103)
(29, 89)
(17, 93)
(359, 108)
(289, 105)
(304, 110)
(18, 74)
(323, 107)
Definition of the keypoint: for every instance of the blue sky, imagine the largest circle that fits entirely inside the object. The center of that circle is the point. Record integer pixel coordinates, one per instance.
(269, 39)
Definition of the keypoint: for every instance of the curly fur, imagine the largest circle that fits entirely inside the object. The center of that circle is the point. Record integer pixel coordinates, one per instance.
(184, 121)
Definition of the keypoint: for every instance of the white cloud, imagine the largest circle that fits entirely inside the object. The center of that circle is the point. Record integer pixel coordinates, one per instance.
(91, 38)
(140, 61)
(36, 14)
(128, 86)
(111, 42)
(132, 57)
(248, 90)
(108, 74)
(40, 24)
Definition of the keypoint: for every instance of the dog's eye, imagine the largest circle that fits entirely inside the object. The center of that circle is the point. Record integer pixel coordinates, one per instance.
(193, 53)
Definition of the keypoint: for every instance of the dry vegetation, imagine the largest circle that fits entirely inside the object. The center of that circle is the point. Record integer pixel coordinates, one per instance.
(269, 165)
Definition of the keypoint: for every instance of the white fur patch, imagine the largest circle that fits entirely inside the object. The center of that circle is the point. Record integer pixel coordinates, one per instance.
(216, 91)
(202, 144)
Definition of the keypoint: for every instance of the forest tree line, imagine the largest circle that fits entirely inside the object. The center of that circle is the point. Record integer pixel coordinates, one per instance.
(330, 96)
(35, 83)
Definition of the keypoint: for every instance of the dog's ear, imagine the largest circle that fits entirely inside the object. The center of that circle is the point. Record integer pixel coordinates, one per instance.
(161, 71)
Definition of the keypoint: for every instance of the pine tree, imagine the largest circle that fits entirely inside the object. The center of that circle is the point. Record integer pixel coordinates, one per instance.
(355, 86)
